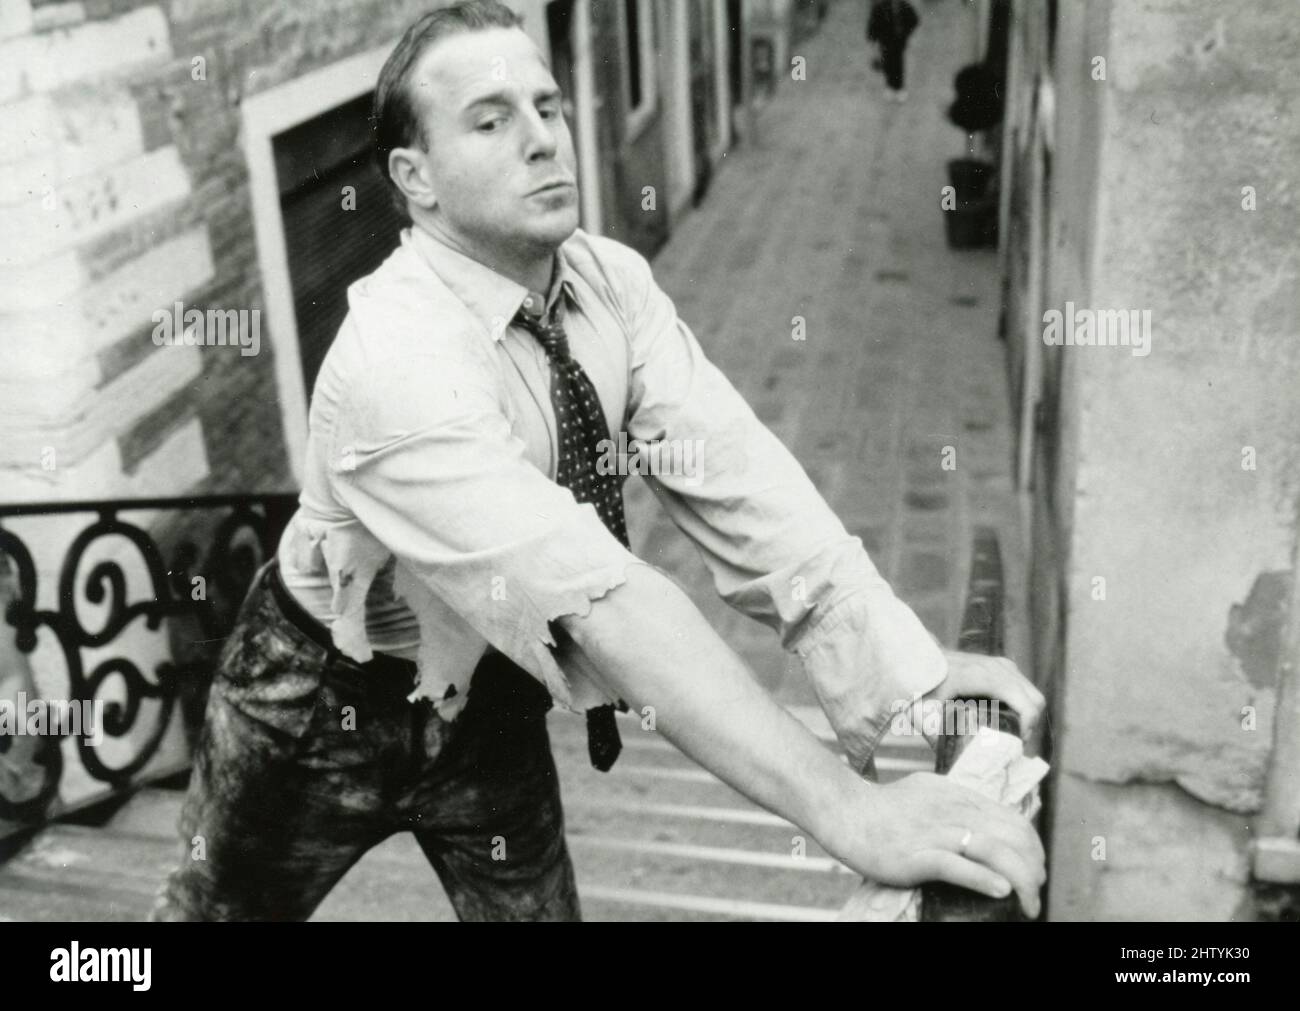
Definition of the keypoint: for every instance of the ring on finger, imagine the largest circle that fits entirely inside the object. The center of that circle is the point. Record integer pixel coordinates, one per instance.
(965, 841)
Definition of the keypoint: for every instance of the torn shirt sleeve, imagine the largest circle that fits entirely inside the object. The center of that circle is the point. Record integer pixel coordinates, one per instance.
(427, 463)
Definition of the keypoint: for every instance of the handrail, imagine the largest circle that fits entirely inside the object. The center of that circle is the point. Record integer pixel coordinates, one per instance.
(982, 631)
(124, 504)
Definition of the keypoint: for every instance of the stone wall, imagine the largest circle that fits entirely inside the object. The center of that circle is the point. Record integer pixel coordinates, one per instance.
(1181, 468)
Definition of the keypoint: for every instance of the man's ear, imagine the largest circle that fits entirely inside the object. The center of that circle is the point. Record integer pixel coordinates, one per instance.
(409, 169)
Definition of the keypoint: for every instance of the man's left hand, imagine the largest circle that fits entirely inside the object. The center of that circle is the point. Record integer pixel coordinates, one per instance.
(974, 675)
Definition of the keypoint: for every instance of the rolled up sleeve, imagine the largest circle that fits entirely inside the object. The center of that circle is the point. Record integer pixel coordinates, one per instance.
(427, 462)
(774, 548)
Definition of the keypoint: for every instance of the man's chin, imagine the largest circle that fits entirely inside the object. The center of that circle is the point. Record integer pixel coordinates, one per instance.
(551, 230)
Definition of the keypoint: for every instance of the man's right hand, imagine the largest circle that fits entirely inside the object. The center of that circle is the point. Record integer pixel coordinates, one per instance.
(910, 832)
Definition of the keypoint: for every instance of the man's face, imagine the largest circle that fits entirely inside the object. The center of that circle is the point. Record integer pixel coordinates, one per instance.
(500, 154)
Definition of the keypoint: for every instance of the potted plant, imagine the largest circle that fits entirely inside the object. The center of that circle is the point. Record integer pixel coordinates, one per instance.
(976, 109)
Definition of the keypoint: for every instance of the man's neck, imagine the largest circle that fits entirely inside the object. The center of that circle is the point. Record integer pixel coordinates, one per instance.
(533, 269)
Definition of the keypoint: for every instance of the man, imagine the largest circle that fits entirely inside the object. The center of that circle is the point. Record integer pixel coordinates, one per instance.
(459, 559)
(890, 24)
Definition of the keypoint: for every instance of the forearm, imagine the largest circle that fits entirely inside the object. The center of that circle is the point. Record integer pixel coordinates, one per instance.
(649, 643)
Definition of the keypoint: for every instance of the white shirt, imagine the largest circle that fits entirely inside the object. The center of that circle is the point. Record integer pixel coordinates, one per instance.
(431, 462)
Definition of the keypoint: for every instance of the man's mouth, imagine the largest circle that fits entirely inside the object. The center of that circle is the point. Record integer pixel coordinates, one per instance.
(558, 186)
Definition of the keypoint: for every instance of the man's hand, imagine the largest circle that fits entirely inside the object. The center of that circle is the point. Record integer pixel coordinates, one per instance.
(911, 831)
(973, 675)
(928, 816)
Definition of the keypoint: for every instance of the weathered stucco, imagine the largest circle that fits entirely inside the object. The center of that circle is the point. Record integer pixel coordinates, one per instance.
(1141, 852)
(1170, 677)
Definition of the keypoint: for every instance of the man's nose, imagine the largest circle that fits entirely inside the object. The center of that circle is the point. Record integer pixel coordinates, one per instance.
(540, 140)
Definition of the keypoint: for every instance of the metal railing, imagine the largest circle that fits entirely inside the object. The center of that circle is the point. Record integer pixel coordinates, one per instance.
(982, 631)
(197, 557)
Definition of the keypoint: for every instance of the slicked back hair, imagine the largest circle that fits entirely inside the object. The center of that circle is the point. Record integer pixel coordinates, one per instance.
(396, 120)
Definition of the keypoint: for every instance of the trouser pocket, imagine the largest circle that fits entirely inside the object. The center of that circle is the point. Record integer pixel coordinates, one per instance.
(268, 669)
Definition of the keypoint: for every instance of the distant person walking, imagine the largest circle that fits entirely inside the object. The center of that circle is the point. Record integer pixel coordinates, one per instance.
(890, 25)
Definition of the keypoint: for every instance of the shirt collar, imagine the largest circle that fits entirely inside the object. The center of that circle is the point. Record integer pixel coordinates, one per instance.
(492, 297)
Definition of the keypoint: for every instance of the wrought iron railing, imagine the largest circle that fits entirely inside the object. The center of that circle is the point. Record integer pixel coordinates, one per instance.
(195, 590)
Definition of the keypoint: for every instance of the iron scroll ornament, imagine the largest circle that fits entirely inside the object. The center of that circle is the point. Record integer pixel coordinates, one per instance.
(239, 542)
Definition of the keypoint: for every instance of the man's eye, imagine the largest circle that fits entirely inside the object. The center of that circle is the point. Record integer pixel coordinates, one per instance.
(489, 125)
(549, 112)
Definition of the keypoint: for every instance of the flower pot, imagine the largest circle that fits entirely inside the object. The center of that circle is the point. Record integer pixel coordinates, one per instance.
(969, 177)
(972, 226)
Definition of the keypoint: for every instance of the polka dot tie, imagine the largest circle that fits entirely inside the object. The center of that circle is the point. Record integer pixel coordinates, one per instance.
(580, 424)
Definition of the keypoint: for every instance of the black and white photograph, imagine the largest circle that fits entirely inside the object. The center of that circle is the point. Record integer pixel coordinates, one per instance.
(773, 461)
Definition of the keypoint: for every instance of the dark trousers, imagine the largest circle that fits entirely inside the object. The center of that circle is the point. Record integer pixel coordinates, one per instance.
(307, 760)
(891, 62)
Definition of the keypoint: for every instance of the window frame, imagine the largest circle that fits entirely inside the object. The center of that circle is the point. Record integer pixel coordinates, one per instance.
(638, 118)
(264, 116)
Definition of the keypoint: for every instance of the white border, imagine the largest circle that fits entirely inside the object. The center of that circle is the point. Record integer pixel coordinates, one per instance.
(265, 115)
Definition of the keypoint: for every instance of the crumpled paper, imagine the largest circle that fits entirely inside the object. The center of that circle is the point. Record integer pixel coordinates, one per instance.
(994, 765)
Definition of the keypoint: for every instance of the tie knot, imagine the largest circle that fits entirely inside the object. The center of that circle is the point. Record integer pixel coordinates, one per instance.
(549, 333)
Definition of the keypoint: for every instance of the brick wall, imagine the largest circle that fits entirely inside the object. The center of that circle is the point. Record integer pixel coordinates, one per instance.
(124, 190)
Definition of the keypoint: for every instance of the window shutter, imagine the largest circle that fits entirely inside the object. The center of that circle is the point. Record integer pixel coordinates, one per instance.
(339, 221)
